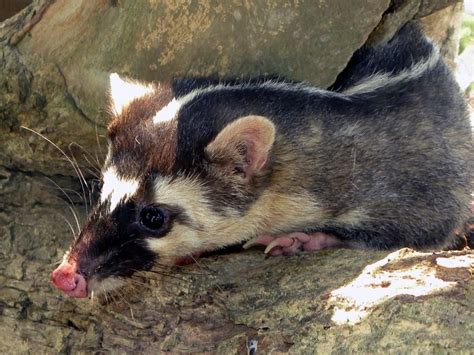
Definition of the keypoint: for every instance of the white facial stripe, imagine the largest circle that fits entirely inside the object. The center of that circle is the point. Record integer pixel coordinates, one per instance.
(168, 112)
(116, 189)
(183, 238)
(186, 193)
(123, 92)
(183, 192)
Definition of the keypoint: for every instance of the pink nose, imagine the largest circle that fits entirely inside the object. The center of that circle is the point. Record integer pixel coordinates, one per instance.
(66, 278)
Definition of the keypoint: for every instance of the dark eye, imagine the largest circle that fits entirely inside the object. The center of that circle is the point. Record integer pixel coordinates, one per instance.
(152, 217)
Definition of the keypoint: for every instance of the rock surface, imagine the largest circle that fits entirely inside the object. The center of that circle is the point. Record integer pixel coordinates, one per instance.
(54, 61)
(200, 38)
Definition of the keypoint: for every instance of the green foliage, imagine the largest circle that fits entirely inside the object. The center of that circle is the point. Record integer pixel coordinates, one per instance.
(467, 32)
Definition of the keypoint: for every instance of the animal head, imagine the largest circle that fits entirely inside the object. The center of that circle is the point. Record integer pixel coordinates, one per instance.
(158, 203)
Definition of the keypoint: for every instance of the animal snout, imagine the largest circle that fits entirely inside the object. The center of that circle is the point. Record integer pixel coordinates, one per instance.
(66, 278)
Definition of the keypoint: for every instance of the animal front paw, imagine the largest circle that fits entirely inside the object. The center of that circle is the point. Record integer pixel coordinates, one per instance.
(292, 243)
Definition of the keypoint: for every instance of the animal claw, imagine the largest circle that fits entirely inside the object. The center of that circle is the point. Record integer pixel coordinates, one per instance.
(292, 243)
(283, 242)
(270, 246)
(250, 243)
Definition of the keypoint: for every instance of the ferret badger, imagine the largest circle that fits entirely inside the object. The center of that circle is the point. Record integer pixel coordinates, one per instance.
(380, 161)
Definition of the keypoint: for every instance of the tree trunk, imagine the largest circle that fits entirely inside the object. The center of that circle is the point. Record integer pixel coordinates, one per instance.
(55, 60)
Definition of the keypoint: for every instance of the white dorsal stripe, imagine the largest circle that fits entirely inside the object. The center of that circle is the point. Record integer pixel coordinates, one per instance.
(116, 189)
(269, 84)
(379, 80)
(171, 110)
(168, 112)
(365, 85)
(123, 92)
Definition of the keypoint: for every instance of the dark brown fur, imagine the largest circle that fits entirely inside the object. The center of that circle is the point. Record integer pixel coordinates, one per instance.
(139, 145)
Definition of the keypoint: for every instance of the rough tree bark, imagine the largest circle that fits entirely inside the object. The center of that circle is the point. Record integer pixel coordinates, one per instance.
(55, 58)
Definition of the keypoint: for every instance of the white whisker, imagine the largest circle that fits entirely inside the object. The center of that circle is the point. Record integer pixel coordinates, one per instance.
(81, 178)
(100, 148)
(93, 164)
(76, 169)
(71, 206)
(70, 226)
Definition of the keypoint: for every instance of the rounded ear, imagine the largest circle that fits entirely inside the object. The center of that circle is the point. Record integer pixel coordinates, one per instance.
(244, 144)
(122, 92)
